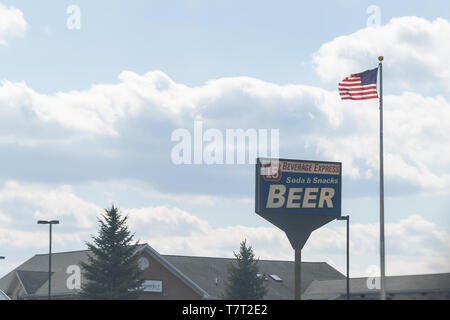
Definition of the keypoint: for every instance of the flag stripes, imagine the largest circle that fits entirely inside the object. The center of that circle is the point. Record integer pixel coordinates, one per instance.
(359, 86)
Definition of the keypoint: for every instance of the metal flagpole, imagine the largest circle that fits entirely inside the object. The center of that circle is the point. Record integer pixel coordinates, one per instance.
(382, 256)
(348, 257)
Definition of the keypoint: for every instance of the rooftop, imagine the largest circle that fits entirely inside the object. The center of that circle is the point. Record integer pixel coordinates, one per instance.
(395, 285)
(208, 273)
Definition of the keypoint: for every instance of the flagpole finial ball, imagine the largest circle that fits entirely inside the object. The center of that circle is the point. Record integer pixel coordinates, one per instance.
(380, 58)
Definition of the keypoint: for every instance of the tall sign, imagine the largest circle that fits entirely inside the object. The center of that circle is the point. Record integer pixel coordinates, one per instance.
(298, 197)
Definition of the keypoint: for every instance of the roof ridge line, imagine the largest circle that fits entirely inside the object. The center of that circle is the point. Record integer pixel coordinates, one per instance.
(61, 252)
(72, 251)
(275, 260)
(387, 276)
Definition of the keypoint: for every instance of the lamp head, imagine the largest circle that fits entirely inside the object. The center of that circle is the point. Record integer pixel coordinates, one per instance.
(48, 222)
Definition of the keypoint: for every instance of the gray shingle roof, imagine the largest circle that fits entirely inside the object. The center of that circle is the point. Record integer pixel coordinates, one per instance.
(205, 270)
(199, 271)
(39, 263)
(394, 284)
(37, 266)
(32, 280)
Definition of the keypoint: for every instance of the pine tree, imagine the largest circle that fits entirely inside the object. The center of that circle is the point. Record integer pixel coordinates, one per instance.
(243, 280)
(112, 271)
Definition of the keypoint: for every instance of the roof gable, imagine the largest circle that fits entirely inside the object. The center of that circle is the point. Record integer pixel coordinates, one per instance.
(175, 271)
(32, 280)
(33, 274)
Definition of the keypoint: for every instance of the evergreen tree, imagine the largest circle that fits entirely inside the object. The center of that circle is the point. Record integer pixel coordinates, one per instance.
(112, 271)
(243, 281)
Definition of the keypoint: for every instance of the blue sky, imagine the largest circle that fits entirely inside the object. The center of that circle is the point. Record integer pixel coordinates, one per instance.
(191, 41)
(89, 112)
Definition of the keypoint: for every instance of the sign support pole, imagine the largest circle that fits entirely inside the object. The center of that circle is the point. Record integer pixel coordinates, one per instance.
(297, 274)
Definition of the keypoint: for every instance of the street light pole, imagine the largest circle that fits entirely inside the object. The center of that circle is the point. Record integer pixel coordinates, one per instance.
(348, 253)
(50, 223)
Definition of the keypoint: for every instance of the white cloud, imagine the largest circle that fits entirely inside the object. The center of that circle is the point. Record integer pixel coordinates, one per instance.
(99, 108)
(416, 127)
(414, 49)
(150, 192)
(174, 231)
(12, 23)
(414, 148)
(16, 238)
(4, 219)
(413, 241)
(37, 201)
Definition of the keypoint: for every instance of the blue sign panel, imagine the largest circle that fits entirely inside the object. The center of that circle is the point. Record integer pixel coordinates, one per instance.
(298, 187)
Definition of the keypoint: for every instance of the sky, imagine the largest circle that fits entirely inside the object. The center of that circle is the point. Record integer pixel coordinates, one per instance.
(91, 93)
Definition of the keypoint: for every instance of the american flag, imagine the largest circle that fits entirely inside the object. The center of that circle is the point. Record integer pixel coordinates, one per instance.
(359, 86)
